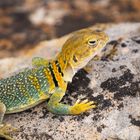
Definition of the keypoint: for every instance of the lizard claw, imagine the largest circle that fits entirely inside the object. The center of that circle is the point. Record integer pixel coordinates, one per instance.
(5, 130)
(80, 107)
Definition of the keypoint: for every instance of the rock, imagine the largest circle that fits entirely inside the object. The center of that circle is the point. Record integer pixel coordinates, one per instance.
(113, 83)
(25, 23)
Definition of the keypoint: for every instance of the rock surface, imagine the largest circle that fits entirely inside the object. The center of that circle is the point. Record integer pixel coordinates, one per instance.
(113, 83)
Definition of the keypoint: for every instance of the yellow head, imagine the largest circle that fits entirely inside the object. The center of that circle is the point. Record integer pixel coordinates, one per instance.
(82, 46)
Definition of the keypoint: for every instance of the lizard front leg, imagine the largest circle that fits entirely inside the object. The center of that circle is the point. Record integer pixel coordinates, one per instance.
(56, 107)
(5, 129)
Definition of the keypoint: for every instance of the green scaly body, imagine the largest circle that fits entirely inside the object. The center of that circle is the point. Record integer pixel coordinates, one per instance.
(24, 89)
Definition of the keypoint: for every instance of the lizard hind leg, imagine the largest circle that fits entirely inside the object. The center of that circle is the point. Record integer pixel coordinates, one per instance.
(5, 129)
(2, 111)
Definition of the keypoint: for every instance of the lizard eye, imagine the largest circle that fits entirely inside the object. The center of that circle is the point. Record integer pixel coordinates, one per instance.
(92, 42)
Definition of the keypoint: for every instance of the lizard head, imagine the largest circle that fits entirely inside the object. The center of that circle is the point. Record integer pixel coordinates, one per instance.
(82, 46)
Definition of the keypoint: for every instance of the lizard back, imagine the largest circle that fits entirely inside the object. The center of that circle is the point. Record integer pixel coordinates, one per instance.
(25, 89)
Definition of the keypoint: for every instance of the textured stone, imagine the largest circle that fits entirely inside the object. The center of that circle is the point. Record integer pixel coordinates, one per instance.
(24, 23)
(113, 82)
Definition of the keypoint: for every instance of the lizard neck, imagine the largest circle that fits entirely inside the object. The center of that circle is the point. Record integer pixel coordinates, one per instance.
(66, 68)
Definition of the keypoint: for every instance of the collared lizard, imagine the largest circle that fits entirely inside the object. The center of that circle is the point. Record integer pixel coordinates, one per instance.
(49, 78)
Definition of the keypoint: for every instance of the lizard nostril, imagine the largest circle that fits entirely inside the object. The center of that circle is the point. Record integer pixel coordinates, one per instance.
(98, 30)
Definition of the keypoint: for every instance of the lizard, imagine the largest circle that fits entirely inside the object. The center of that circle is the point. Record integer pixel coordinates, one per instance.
(48, 79)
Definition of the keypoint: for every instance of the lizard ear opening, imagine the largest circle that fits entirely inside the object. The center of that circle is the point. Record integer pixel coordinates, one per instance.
(75, 59)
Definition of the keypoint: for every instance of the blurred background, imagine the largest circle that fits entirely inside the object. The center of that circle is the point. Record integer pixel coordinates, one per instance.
(24, 23)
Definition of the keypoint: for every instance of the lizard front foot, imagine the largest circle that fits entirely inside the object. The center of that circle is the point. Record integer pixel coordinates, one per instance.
(80, 107)
(5, 130)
